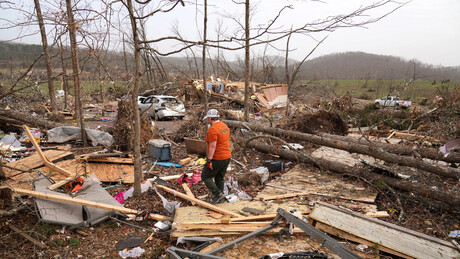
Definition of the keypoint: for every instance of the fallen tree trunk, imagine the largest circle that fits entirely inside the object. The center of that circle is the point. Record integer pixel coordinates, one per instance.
(422, 191)
(28, 119)
(354, 148)
(430, 153)
(434, 154)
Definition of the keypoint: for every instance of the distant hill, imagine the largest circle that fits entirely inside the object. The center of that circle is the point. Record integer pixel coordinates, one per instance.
(348, 65)
(360, 65)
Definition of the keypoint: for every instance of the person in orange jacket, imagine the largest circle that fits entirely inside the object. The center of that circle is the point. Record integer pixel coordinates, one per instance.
(218, 156)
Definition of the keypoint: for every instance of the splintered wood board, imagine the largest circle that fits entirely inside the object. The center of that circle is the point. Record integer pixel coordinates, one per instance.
(318, 184)
(25, 180)
(197, 214)
(71, 165)
(341, 156)
(111, 172)
(35, 161)
(393, 237)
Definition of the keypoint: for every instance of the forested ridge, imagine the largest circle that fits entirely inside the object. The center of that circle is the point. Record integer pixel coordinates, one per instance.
(347, 65)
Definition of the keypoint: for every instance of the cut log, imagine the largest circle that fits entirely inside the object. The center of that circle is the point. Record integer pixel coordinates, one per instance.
(355, 148)
(422, 191)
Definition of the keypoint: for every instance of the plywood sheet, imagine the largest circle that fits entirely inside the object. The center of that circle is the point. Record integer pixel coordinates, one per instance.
(25, 180)
(402, 240)
(318, 184)
(34, 161)
(197, 214)
(111, 172)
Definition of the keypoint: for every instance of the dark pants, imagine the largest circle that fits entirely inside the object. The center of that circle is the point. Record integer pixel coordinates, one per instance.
(214, 179)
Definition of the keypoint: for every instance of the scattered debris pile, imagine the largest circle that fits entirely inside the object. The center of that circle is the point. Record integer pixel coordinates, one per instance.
(300, 181)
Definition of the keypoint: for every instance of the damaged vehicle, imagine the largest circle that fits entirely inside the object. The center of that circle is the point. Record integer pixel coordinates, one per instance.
(161, 107)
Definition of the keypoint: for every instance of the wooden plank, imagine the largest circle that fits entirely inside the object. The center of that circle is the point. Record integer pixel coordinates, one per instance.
(238, 225)
(252, 229)
(199, 202)
(283, 196)
(402, 240)
(224, 232)
(31, 239)
(245, 219)
(114, 160)
(34, 161)
(71, 166)
(188, 192)
(377, 214)
(111, 172)
(344, 235)
(42, 156)
(407, 135)
(50, 196)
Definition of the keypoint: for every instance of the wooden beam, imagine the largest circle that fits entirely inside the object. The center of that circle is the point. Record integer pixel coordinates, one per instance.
(283, 196)
(42, 156)
(199, 202)
(342, 234)
(237, 225)
(245, 219)
(377, 214)
(55, 197)
(394, 237)
(61, 183)
(31, 239)
(114, 160)
(188, 192)
(290, 195)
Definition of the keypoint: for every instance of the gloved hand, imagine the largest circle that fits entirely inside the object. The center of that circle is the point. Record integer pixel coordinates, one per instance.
(209, 163)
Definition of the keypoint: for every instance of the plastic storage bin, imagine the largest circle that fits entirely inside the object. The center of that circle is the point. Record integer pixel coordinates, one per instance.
(160, 149)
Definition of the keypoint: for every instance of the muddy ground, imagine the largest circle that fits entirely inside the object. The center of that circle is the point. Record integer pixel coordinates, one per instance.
(419, 214)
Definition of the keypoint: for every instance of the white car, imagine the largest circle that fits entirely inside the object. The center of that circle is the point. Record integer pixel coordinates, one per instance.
(392, 101)
(162, 107)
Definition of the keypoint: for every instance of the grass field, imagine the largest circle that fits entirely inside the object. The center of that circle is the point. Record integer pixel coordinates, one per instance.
(373, 89)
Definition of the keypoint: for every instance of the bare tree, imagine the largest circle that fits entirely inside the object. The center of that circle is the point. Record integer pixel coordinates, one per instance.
(246, 61)
(76, 70)
(49, 71)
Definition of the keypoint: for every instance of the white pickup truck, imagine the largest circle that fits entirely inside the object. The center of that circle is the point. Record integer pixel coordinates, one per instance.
(392, 101)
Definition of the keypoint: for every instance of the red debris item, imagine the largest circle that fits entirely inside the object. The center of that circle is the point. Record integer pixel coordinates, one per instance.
(183, 178)
(196, 177)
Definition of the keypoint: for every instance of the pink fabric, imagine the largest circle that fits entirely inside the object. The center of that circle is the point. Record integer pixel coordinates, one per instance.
(196, 178)
(119, 197)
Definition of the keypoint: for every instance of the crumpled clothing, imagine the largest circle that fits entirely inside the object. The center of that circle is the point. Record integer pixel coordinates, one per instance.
(196, 178)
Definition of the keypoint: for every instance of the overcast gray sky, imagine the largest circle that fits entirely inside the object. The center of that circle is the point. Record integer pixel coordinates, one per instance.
(426, 30)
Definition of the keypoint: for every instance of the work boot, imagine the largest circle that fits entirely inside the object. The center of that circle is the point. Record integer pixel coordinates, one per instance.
(220, 198)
